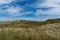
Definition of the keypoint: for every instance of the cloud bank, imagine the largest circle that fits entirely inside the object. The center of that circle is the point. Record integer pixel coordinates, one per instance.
(53, 5)
(29, 9)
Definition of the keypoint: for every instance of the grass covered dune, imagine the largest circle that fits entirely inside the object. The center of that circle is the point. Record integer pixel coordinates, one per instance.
(45, 32)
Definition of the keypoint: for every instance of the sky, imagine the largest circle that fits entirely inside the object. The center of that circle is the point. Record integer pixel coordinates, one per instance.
(29, 9)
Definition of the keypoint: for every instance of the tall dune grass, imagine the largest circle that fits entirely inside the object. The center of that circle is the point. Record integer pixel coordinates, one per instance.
(45, 32)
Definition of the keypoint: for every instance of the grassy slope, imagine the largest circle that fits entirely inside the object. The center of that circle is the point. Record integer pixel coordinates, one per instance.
(27, 23)
(50, 30)
(45, 32)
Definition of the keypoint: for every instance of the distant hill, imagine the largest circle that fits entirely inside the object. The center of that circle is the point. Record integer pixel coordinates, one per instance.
(53, 21)
(27, 23)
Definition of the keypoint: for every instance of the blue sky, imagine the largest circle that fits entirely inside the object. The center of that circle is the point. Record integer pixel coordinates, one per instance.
(29, 9)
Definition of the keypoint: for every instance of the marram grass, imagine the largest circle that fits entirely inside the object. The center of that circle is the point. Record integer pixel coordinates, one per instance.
(45, 32)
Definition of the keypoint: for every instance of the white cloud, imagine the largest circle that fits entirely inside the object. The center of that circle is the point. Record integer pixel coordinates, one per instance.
(5, 1)
(23, 0)
(49, 3)
(9, 1)
(17, 11)
(14, 11)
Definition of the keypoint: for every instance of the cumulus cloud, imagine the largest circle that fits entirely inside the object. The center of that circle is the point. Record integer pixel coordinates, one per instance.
(14, 11)
(49, 3)
(17, 11)
(22, 0)
(38, 8)
(5, 1)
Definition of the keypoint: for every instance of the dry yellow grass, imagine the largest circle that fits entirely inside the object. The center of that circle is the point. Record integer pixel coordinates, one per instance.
(45, 32)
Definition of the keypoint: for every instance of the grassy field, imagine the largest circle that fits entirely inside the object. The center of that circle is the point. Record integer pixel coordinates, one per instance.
(30, 30)
(45, 32)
